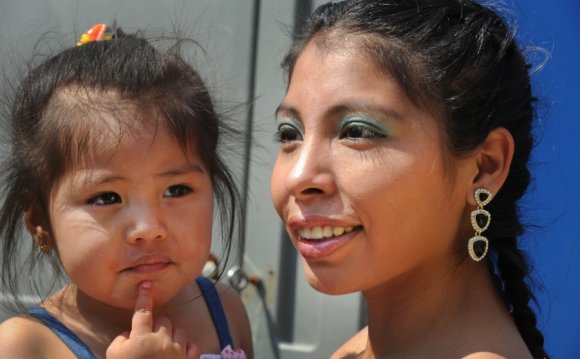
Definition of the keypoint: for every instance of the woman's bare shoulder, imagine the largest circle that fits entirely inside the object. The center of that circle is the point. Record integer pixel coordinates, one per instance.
(353, 347)
(486, 355)
(22, 337)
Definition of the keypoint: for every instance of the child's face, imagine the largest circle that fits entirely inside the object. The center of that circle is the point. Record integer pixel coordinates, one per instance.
(360, 181)
(141, 211)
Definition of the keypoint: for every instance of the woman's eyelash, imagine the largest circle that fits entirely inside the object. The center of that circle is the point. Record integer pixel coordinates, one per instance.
(358, 130)
(287, 133)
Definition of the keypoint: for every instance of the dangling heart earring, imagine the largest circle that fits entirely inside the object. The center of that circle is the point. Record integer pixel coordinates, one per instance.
(480, 220)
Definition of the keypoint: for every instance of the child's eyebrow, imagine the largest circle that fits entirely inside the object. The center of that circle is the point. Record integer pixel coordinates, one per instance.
(190, 168)
(103, 178)
(100, 179)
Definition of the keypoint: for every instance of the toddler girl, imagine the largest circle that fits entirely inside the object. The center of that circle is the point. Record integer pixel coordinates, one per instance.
(113, 170)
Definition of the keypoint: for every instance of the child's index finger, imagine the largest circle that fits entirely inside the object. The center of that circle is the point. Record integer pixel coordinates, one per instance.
(143, 316)
(144, 300)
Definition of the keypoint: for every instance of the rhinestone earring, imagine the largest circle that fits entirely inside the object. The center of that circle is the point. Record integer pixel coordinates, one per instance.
(480, 220)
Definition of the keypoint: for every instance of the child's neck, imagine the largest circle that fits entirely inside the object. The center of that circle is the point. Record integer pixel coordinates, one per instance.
(85, 315)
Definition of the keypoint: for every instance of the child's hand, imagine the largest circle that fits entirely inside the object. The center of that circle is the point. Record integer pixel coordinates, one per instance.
(147, 340)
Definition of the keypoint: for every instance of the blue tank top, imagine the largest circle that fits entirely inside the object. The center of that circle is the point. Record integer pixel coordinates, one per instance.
(82, 351)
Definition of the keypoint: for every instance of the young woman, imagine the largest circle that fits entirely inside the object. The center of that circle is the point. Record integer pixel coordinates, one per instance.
(405, 134)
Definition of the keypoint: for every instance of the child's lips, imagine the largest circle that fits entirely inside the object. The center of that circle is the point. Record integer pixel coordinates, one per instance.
(149, 267)
(149, 264)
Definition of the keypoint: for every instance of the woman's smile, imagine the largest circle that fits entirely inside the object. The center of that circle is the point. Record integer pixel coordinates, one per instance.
(322, 241)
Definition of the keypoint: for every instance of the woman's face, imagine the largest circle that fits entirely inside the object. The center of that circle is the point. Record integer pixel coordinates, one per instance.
(360, 181)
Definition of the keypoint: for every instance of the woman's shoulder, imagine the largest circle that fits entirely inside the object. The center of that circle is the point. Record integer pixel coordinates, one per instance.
(23, 337)
(353, 347)
(486, 355)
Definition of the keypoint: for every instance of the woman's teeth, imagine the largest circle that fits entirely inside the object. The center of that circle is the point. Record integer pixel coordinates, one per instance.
(318, 233)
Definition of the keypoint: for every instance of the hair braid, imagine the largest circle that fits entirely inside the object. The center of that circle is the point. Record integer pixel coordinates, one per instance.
(513, 269)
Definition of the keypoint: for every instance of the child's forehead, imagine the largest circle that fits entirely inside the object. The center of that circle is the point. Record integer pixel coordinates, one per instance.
(106, 152)
(98, 122)
(93, 105)
(100, 116)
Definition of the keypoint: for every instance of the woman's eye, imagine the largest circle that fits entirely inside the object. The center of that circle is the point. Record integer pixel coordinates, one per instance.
(287, 133)
(177, 191)
(105, 199)
(359, 131)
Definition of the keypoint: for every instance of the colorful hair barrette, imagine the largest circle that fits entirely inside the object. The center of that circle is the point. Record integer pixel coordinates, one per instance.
(99, 32)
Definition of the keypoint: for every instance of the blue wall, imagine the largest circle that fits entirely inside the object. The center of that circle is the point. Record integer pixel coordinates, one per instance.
(554, 199)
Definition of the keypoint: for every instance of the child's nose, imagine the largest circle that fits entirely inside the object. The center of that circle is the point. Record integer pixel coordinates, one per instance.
(147, 223)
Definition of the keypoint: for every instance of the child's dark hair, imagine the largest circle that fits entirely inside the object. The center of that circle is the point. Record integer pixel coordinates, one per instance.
(49, 131)
(463, 57)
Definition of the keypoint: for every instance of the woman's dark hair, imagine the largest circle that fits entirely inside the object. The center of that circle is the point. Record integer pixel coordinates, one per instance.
(462, 56)
(49, 130)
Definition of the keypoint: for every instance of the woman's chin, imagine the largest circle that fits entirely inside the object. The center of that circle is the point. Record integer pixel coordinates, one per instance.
(330, 285)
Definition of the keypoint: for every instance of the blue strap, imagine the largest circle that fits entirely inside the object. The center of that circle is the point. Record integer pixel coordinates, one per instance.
(74, 343)
(216, 310)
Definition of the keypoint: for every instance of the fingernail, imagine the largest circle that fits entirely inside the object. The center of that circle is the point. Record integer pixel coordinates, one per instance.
(146, 284)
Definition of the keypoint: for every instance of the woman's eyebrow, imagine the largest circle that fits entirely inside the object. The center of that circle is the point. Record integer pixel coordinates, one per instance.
(386, 112)
(286, 110)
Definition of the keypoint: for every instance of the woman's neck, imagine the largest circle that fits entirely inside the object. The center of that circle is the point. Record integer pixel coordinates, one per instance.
(436, 312)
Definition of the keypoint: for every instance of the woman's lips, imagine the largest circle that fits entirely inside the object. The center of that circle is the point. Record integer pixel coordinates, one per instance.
(317, 248)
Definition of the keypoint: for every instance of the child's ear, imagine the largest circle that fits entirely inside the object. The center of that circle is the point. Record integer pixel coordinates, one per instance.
(32, 219)
(35, 224)
(493, 160)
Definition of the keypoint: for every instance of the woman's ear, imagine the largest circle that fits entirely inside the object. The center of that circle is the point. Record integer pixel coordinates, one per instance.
(493, 160)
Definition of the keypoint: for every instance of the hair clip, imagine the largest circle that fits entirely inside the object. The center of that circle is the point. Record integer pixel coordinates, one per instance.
(99, 32)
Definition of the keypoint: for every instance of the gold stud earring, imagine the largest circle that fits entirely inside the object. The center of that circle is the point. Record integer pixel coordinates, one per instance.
(42, 241)
(478, 245)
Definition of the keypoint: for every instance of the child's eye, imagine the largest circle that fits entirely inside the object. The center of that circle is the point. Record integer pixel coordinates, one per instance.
(287, 133)
(357, 130)
(177, 191)
(105, 199)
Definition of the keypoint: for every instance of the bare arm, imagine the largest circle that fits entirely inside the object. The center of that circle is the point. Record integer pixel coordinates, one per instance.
(237, 318)
(21, 337)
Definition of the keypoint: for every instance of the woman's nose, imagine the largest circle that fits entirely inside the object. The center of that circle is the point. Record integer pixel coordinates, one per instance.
(146, 223)
(310, 174)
